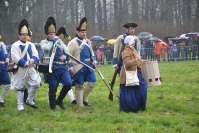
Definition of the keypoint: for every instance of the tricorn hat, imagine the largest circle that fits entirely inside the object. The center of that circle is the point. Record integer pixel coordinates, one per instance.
(23, 27)
(130, 24)
(83, 25)
(61, 33)
(50, 26)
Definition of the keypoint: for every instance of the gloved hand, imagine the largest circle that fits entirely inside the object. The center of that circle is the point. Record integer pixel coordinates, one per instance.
(54, 39)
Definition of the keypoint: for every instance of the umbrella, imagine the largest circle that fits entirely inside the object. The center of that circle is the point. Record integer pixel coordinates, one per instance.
(166, 38)
(111, 41)
(96, 39)
(174, 39)
(183, 36)
(191, 34)
(155, 39)
(144, 35)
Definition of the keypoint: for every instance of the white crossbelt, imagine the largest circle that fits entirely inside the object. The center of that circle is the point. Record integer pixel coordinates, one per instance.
(2, 62)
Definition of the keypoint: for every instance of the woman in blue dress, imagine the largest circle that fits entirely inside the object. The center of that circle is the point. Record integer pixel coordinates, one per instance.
(132, 98)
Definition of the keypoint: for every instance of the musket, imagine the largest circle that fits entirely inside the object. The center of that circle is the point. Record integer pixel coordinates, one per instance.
(78, 61)
(110, 97)
(75, 59)
(102, 77)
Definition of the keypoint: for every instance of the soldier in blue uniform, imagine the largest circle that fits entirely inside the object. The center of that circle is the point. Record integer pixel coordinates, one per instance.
(60, 73)
(130, 30)
(4, 76)
(25, 55)
(80, 47)
(62, 34)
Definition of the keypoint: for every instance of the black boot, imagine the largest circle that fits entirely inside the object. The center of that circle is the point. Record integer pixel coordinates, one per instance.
(86, 103)
(25, 95)
(62, 95)
(2, 104)
(52, 99)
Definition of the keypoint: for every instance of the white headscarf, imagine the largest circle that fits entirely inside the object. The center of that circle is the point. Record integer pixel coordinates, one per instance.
(129, 40)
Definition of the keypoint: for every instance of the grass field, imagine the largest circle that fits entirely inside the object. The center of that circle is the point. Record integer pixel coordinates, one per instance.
(171, 107)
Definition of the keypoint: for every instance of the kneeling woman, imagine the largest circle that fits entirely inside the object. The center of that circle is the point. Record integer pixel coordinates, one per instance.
(131, 98)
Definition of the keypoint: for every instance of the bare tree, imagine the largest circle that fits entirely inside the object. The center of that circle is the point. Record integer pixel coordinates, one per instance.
(105, 17)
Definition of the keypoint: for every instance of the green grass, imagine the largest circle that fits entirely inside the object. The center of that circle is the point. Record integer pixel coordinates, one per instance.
(171, 107)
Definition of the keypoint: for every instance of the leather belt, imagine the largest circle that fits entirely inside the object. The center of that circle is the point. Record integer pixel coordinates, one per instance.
(2, 62)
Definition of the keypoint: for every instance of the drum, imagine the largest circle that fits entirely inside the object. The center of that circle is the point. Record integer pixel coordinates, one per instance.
(151, 74)
(12, 67)
(43, 68)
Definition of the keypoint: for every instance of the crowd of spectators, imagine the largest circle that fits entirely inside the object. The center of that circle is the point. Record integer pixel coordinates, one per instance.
(174, 50)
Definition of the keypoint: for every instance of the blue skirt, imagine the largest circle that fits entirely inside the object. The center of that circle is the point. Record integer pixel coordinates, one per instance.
(133, 98)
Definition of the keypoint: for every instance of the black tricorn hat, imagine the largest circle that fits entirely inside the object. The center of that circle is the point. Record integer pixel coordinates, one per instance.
(61, 30)
(130, 24)
(83, 25)
(61, 33)
(23, 27)
(50, 26)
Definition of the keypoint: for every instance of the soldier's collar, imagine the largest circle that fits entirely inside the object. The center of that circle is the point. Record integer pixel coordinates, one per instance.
(79, 37)
(128, 34)
(22, 41)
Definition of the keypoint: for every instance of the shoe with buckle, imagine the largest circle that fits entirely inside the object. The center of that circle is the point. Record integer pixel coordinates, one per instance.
(61, 105)
(74, 102)
(2, 104)
(32, 105)
(53, 108)
(86, 103)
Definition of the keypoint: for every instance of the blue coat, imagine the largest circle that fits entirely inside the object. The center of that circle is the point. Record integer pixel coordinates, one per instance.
(4, 76)
(85, 55)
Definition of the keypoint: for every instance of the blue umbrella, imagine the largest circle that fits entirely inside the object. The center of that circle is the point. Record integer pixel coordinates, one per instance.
(96, 38)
